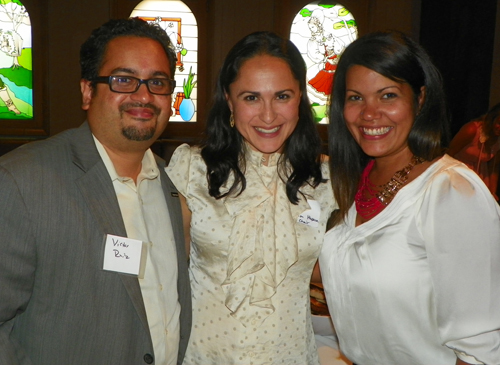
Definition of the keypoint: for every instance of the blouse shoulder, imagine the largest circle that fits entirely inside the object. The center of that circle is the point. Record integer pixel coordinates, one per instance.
(184, 162)
(452, 180)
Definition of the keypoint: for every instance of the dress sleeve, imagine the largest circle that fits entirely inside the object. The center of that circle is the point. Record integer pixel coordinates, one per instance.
(178, 170)
(460, 222)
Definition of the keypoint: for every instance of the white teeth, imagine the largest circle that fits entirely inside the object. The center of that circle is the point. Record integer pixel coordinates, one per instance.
(267, 131)
(376, 131)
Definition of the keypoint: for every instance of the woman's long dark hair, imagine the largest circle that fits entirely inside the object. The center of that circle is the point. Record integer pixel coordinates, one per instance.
(489, 120)
(223, 148)
(400, 59)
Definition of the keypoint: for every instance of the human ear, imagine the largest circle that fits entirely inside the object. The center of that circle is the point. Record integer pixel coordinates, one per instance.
(229, 103)
(87, 92)
(421, 98)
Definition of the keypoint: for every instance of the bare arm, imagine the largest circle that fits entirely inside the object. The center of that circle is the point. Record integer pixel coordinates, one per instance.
(461, 362)
(186, 223)
(464, 136)
(316, 274)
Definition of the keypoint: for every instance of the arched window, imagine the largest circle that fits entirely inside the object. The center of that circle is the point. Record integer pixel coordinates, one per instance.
(16, 76)
(321, 33)
(179, 22)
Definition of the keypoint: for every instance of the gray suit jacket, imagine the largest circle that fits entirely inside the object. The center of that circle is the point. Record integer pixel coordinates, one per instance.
(57, 305)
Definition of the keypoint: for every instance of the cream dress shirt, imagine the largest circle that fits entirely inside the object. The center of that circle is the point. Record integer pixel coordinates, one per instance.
(420, 282)
(146, 218)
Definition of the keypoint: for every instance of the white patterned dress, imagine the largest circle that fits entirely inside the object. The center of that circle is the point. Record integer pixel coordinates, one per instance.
(250, 264)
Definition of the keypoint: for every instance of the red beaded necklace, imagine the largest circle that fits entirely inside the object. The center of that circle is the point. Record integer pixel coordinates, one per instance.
(371, 200)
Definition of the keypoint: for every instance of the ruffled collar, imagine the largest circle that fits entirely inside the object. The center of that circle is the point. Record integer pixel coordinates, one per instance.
(257, 158)
(263, 241)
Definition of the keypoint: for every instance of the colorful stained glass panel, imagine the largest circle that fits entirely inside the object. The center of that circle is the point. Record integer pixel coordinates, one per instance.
(321, 33)
(16, 75)
(179, 22)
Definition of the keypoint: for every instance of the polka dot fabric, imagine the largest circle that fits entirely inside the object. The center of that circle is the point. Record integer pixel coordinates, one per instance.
(250, 265)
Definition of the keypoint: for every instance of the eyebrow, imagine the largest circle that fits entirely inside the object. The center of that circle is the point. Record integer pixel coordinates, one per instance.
(389, 87)
(121, 70)
(259, 93)
(378, 91)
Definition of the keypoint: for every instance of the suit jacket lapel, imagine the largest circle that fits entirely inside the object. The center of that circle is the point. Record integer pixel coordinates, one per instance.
(97, 190)
(183, 285)
(172, 199)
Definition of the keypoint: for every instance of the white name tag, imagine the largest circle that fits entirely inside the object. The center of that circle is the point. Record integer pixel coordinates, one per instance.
(125, 255)
(310, 217)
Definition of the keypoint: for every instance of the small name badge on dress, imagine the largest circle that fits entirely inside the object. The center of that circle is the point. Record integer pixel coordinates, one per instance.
(124, 255)
(310, 217)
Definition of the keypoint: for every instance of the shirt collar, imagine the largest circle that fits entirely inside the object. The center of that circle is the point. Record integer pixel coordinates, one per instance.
(149, 168)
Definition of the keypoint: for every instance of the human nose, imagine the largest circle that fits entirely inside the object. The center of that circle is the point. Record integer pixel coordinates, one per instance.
(268, 114)
(142, 93)
(369, 111)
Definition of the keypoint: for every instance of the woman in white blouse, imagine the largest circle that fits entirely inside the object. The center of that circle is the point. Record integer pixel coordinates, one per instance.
(411, 268)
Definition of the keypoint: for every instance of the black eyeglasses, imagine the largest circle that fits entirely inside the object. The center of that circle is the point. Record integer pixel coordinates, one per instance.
(130, 84)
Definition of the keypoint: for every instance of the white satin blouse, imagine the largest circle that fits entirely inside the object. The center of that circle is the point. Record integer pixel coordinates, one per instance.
(420, 282)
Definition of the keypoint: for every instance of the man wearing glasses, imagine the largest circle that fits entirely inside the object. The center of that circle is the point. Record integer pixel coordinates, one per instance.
(93, 268)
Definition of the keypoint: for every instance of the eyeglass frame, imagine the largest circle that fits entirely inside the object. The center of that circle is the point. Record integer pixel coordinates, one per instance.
(107, 80)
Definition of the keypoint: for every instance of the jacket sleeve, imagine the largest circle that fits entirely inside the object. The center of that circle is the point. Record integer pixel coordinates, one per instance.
(17, 264)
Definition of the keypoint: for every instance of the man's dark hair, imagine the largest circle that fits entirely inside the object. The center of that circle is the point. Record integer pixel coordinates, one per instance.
(92, 51)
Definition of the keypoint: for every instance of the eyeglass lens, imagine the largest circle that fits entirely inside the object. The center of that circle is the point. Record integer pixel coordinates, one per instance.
(129, 84)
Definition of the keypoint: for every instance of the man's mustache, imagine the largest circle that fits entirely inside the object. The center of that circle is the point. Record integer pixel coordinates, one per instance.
(154, 108)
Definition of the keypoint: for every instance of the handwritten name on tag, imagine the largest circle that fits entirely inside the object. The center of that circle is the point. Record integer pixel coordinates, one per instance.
(124, 255)
(310, 217)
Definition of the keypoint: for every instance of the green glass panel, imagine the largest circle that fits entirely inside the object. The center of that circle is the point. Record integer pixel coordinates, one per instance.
(16, 75)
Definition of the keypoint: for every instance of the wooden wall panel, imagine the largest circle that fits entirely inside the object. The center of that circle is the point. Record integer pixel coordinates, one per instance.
(69, 24)
(495, 74)
(396, 15)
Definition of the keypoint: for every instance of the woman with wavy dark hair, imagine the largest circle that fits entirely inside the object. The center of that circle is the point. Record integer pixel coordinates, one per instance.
(410, 268)
(257, 204)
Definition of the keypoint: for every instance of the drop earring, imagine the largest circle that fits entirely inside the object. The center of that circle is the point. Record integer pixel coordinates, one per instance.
(231, 120)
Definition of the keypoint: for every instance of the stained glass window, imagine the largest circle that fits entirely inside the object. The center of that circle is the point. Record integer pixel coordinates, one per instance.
(16, 76)
(321, 33)
(179, 22)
